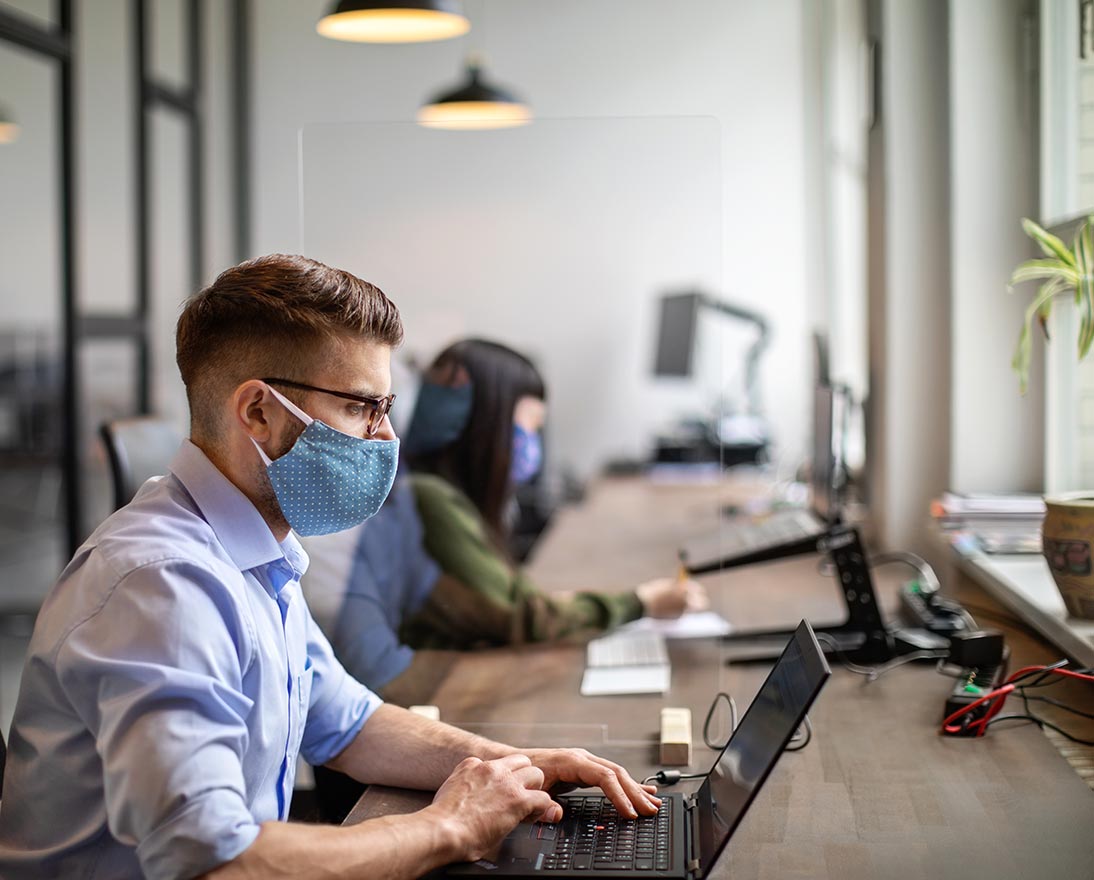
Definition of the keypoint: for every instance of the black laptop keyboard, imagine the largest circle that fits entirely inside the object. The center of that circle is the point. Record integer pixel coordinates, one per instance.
(592, 835)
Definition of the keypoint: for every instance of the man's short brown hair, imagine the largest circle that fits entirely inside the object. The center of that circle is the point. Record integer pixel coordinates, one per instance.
(272, 316)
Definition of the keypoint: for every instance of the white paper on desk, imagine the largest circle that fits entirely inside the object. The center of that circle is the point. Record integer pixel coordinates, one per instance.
(693, 625)
(601, 681)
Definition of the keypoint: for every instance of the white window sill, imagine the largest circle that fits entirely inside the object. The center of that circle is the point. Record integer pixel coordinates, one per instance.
(1023, 583)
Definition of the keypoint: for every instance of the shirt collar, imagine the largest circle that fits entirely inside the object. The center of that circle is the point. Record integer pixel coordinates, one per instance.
(237, 523)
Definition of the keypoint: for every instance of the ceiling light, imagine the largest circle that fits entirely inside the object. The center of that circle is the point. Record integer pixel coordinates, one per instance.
(475, 104)
(9, 128)
(394, 21)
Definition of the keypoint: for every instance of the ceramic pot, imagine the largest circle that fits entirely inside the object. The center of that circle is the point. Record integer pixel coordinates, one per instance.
(1067, 537)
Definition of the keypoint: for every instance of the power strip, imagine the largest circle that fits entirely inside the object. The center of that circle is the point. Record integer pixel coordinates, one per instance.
(927, 610)
(969, 688)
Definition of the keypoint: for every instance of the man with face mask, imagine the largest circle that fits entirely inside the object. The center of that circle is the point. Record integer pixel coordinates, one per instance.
(175, 671)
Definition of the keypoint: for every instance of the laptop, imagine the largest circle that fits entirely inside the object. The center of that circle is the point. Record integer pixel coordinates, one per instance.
(788, 532)
(689, 832)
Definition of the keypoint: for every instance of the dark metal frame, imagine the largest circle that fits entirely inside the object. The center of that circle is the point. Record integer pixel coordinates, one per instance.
(187, 103)
(56, 43)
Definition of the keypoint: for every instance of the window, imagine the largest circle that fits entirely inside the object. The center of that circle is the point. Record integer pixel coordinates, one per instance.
(1067, 195)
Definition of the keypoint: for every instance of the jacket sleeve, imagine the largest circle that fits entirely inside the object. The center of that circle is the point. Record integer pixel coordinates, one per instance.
(485, 600)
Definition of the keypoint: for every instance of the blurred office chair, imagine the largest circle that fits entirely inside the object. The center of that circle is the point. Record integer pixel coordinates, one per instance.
(138, 448)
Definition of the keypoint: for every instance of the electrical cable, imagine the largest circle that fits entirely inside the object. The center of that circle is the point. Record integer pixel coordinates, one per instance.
(873, 673)
(801, 738)
(958, 722)
(1041, 722)
(917, 562)
(1059, 705)
(670, 777)
(932, 585)
(708, 740)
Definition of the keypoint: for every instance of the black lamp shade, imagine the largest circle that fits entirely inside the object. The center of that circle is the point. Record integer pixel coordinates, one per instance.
(9, 128)
(394, 21)
(475, 104)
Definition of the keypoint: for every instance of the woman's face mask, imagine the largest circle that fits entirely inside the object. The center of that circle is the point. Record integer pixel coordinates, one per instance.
(329, 481)
(527, 455)
(441, 414)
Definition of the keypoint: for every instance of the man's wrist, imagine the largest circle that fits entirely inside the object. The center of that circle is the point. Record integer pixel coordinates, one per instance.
(448, 834)
(488, 750)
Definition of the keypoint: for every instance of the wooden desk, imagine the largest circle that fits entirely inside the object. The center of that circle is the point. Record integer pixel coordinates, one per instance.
(877, 792)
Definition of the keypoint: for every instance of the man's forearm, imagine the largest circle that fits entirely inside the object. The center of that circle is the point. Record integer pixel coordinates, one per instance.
(398, 748)
(394, 847)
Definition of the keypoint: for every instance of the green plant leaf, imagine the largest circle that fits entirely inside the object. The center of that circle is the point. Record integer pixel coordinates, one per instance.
(1033, 270)
(1038, 310)
(1022, 355)
(1049, 243)
(1084, 251)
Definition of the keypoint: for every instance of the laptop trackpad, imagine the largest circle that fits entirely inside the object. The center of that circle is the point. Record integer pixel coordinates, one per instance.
(522, 844)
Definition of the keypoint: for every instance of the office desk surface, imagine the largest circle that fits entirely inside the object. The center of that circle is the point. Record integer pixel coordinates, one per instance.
(877, 792)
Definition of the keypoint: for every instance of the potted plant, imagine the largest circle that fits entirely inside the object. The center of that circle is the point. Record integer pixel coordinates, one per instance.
(1067, 533)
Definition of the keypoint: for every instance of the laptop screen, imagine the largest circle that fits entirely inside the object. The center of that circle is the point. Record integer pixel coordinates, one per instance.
(759, 740)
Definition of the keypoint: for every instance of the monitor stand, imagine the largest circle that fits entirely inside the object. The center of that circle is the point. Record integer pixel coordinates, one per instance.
(863, 637)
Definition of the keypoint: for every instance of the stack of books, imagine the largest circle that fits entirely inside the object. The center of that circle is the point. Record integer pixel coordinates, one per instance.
(992, 522)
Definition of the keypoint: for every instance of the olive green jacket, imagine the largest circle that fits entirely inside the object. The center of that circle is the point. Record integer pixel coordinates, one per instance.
(485, 600)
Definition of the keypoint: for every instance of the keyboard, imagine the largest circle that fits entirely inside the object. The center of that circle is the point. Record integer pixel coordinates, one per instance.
(626, 663)
(780, 528)
(593, 835)
(627, 649)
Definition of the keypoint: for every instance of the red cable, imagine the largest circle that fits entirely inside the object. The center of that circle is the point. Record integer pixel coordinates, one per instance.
(1053, 670)
(947, 723)
(999, 697)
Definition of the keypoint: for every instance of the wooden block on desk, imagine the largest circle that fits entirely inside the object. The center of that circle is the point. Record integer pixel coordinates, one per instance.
(426, 712)
(675, 737)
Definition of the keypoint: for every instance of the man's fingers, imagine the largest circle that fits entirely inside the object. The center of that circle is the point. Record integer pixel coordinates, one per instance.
(634, 792)
(580, 767)
(513, 762)
(530, 777)
(552, 814)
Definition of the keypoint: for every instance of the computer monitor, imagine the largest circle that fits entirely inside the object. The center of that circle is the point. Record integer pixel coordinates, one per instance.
(822, 478)
(676, 334)
(831, 407)
(821, 370)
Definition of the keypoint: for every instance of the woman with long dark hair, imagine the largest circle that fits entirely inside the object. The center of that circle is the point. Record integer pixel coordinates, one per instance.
(473, 438)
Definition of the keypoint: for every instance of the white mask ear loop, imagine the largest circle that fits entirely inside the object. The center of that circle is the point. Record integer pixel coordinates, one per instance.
(291, 407)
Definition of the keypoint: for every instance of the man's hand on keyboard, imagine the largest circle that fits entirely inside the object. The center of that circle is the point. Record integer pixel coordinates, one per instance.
(667, 598)
(482, 801)
(579, 767)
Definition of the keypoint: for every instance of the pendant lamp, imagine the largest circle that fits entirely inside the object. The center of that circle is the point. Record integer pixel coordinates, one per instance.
(9, 128)
(476, 104)
(394, 21)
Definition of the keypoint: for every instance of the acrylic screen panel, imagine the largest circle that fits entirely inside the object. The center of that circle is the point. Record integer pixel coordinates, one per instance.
(559, 239)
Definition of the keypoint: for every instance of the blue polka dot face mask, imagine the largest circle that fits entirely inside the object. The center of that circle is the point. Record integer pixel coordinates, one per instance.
(330, 481)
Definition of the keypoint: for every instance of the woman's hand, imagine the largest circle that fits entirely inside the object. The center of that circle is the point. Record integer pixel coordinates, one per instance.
(670, 597)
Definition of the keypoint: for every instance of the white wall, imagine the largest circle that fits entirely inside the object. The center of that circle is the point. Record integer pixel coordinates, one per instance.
(739, 62)
(993, 123)
(910, 318)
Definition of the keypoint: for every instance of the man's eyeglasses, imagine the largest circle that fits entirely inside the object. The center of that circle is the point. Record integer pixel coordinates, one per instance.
(378, 406)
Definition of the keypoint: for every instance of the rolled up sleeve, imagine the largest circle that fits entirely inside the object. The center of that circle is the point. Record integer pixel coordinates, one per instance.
(156, 675)
(339, 706)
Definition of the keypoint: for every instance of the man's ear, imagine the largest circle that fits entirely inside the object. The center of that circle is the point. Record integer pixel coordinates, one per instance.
(256, 411)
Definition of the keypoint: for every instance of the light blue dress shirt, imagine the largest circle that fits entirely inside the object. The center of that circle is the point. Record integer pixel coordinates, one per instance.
(174, 674)
(364, 582)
